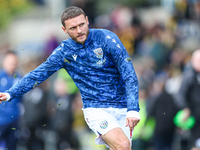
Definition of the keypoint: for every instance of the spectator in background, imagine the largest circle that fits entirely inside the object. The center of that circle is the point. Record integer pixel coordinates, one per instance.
(162, 107)
(33, 121)
(188, 97)
(143, 132)
(197, 10)
(71, 88)
(50, 45)
(61, 118)
(9, 112)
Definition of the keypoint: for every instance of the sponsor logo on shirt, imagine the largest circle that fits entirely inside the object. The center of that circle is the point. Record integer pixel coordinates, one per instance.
(101, 62)
(104, 124)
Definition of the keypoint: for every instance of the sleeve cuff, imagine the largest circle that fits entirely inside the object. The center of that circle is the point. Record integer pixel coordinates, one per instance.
(8, 96)
(133, 114)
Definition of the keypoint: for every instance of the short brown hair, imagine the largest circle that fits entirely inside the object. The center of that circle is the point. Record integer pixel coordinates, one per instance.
(71, 12)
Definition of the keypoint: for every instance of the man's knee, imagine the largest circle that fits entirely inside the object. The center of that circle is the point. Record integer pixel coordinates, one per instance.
(117, 140)
(123, 145)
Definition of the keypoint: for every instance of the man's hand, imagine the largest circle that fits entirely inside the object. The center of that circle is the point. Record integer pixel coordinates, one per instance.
(186, 113)
(3, 97)
(132, 122)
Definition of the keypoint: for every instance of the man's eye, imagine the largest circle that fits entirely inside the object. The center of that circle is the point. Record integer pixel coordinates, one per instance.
(81, 24)
(72, 28)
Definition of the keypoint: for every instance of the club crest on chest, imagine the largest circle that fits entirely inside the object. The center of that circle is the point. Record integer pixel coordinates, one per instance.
(99, 53)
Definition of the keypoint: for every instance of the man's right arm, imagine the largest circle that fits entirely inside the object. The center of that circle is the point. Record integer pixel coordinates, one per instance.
(35, 77)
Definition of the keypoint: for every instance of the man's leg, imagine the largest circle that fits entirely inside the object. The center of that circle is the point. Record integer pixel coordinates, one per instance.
(117, 140)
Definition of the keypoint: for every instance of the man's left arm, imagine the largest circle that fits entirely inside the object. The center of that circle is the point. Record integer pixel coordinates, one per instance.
(127, 71)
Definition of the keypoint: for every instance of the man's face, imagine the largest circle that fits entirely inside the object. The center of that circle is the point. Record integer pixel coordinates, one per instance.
(10, 63)
(77, 28)
(196, 60)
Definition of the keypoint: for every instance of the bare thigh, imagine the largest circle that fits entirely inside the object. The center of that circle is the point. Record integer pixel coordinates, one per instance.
(116, 139)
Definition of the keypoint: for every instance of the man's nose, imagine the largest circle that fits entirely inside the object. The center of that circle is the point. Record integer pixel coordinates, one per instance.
(79, 30)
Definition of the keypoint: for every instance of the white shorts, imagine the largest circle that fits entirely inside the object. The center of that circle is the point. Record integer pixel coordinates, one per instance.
(102, 120)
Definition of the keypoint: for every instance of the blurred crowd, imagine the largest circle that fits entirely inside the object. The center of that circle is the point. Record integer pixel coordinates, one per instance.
(165, 56)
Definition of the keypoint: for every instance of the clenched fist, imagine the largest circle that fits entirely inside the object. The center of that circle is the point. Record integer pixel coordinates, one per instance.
(3, 97)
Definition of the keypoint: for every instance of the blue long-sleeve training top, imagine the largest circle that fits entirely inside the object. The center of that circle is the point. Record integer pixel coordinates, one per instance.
(101, 69)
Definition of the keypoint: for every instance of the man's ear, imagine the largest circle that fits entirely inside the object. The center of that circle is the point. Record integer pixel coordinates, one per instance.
(87, 20)
(64, 29)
